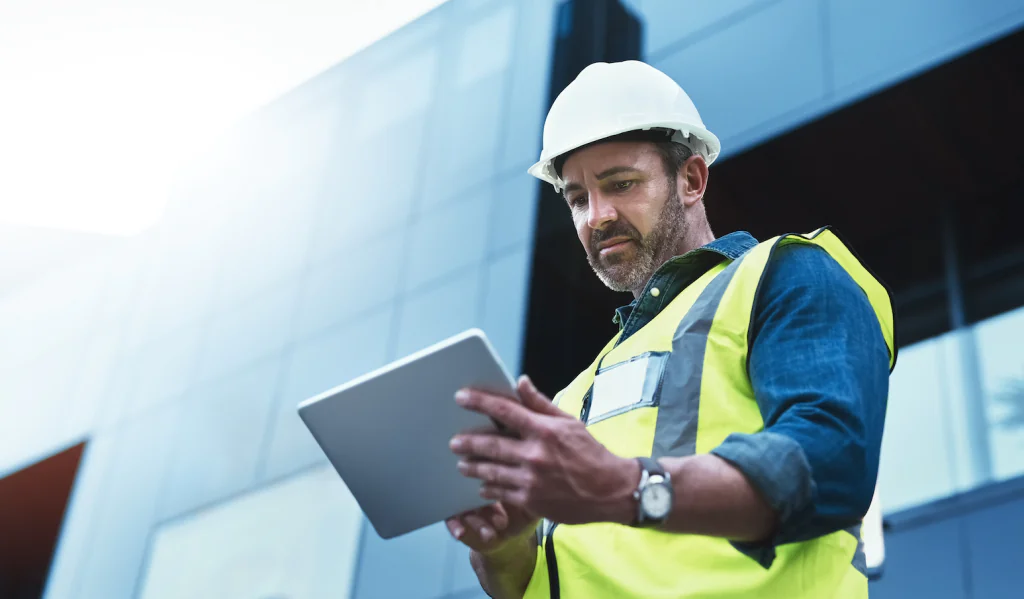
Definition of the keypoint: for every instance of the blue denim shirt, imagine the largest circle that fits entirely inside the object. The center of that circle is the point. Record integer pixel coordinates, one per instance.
(819, 367)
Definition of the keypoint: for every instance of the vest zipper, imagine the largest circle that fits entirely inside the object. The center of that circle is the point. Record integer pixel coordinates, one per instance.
(554, 590)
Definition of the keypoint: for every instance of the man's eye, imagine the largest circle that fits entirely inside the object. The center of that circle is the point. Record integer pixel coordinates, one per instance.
(623, 185)
(576, 202)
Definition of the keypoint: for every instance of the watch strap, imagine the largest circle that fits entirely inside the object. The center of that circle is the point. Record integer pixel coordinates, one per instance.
(648, 467)
(651, 465)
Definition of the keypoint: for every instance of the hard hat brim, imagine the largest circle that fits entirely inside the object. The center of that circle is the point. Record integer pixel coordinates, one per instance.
(544, 168)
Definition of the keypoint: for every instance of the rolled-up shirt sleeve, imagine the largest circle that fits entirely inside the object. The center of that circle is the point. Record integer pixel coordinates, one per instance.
(819, 367)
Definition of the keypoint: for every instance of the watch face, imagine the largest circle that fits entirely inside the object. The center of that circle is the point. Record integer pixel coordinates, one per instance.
(656, 501)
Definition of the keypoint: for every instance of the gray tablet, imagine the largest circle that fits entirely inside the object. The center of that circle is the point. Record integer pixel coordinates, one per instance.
(387, 432)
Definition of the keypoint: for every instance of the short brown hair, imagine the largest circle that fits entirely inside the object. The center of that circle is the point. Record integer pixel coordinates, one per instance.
(673, 155)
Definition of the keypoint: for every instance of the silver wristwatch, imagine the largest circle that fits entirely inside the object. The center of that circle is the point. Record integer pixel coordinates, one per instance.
(654, 495)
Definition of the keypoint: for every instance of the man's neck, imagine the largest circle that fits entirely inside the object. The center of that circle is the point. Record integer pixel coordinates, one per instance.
(693, 239)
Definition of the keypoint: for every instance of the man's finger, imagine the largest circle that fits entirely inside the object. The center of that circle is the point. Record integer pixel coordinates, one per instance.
(516, 497)
(495, 474)
(506, 411)
(480, 526)
(489, 447)
(455, 528)
(534, 399)
(498, 516)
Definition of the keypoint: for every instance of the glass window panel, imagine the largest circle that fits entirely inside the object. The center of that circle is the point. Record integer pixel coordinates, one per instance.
(1001, 357)
(486, 46)
(165, 367)
(992, 549)
(339, 287)
(917, 463)
(515, 208)
(461, 574)
(397, 92)
(76, 535)
(448, 239)
(526, 104)
(939, 29)
(225, 423)
(316, 365)
(295, 539)
(422, 555)
(249, 331)
(368, 193)
(179, 283)
(669, 21)
(126, 506)
(786, 71)
(431, 315)
(88, 388)
(504, 318)
(464, 153)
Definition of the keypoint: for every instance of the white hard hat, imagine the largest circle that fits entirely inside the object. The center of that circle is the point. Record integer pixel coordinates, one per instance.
(607, 99)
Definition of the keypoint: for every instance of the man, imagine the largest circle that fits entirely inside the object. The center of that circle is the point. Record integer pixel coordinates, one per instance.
(725, 442)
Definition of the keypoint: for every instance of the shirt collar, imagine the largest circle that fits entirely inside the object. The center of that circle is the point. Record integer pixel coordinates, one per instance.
(730, 246)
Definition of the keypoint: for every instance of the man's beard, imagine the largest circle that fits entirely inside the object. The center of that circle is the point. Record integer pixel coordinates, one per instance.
(622, 273)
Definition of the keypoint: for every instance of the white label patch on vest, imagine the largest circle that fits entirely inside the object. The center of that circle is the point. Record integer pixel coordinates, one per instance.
(621, 387)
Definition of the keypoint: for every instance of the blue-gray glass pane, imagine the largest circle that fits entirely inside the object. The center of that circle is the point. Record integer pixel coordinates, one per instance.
(411, 566)
(515, 208)
(266, 243)
(316, 365)
(874, 41)
(923, 562)
(225, 424)
(740, 89)
(76, 538)
(527, 95)
(1002, 377)
(126, 509)
(448, 239)
(460, 573)
(435, 313)
(504, 318)
(88, 388)
(396, 92)
(412, 39)
(244, 333)
(464, 149)
(164, 368)
(179, 283)
(485, 46)
(368, 193)
(994, 550)
(357, 278)
(667, 22)
(918, 462)
(33, 404)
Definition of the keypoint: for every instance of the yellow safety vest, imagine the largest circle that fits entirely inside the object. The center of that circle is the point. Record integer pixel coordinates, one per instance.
(684, 407)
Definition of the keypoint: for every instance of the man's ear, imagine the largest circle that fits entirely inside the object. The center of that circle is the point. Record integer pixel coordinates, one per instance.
(692, 180)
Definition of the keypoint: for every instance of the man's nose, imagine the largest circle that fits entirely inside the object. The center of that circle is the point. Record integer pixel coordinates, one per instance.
(601, 212)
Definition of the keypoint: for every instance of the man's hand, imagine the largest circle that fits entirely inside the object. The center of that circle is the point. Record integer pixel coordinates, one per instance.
(492, 528)
(555, 469)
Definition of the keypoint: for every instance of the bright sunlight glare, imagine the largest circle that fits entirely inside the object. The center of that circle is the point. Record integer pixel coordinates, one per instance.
(101, 101)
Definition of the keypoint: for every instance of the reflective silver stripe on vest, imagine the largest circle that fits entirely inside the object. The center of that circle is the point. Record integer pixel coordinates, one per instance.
(859, 562)
(675, 434)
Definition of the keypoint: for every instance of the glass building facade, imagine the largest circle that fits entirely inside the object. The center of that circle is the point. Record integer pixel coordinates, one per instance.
(383, 206)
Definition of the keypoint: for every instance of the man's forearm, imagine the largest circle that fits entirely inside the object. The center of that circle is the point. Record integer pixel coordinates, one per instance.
(505, 573)
(712, 498)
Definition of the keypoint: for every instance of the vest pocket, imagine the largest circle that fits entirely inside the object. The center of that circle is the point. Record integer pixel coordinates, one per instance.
(627, 385)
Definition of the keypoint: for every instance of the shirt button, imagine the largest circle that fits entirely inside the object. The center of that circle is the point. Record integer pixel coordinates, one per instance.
(655, 291)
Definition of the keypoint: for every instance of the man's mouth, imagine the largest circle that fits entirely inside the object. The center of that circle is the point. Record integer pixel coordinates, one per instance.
(613, 245)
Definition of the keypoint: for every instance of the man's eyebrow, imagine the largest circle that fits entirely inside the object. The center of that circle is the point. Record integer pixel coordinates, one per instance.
(615, 170)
